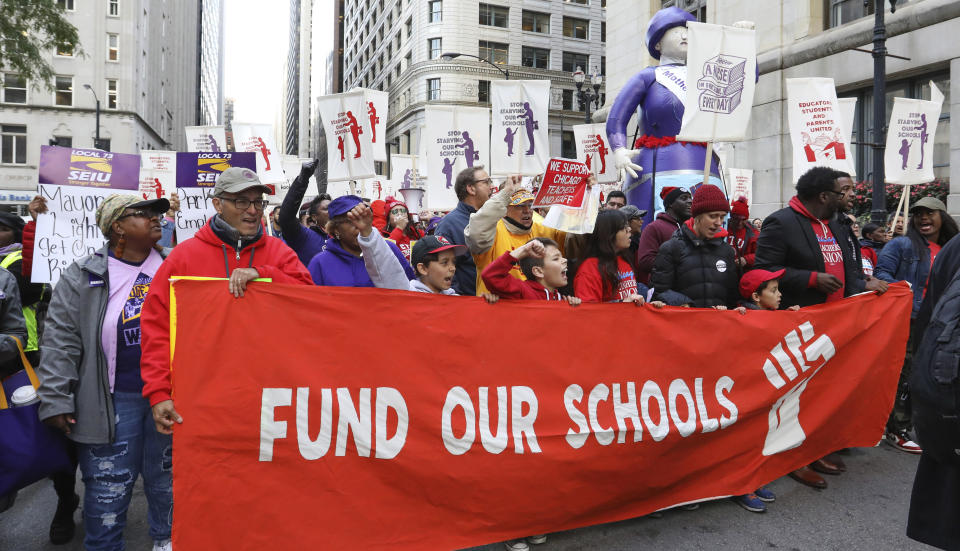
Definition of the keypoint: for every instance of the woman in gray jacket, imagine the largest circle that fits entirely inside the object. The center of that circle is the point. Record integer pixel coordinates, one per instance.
(90, 385)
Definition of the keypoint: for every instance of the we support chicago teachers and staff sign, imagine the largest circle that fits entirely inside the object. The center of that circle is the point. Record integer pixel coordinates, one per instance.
(467, 450)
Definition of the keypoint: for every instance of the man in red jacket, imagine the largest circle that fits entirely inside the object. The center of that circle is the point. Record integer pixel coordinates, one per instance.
(231, 245)
(676, 204)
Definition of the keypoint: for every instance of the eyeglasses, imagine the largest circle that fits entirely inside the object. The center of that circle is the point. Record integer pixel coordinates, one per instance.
(484, 181)
(148, 214)
(243, 203)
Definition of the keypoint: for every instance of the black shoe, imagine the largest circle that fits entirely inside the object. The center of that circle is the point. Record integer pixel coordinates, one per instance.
(62, 528)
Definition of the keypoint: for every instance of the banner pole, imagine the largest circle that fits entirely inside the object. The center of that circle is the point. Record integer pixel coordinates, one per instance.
(906, 208)
(896, 213)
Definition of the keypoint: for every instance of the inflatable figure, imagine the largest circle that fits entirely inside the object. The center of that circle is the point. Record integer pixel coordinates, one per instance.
(656, 159)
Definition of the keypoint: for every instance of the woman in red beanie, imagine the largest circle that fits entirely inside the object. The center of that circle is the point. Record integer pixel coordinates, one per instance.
(401, 228)
(742, 236)
(696, 262)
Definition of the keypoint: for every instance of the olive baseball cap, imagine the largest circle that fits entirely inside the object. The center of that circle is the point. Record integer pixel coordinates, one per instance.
(931, 203)
(113, 206)
(236, 179)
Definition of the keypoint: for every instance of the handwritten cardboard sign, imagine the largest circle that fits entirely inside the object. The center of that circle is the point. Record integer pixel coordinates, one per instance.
(564, 183)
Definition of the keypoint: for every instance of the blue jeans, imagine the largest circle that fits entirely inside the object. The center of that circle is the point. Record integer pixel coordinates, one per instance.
(109, 471)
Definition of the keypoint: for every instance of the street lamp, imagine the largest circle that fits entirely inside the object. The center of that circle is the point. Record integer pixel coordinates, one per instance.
(878, 214)
(451, 55)
(586, 97)
(96, 139)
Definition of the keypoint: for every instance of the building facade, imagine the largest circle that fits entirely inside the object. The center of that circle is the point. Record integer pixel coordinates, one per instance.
(141, 62)
(296, 119)
(396, 46)
(816, 38)
(210, 92)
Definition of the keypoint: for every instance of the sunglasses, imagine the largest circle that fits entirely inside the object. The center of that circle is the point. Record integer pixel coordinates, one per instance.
(148, 214)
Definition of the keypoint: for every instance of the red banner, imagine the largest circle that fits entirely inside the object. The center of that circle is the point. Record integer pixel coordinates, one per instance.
(564, 183)
(313, 421)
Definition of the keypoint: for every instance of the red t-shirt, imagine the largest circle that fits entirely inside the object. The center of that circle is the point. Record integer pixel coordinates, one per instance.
(590, 286)
(934, 249)
(832, 256)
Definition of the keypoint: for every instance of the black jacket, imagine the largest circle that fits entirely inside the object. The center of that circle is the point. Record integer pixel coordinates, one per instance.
(788, 243)
(705, 271)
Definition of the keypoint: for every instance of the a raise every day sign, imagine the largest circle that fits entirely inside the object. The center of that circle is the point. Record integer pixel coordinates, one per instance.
(196, 177)
(74, 182)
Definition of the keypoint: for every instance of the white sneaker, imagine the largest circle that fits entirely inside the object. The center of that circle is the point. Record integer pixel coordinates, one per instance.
(537, 540)
(165, 546)
(516, 545)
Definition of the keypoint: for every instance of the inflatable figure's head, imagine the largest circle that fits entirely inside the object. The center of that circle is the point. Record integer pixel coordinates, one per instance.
(666, 33)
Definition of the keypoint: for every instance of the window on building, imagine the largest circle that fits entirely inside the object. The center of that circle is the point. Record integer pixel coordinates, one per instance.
(697, 7)
(408, 62)
(845, 11)
(603, 33)
(66, 4)
(113, 47)
(62, 141)
(494, 51)
(917, 88)
(494, 16)
(112, 94)
(576, 28)
(409, 27)
(64, 91)
(435, 13)
(13, 144)
(603, 65)
(535, 22)
(568, 145)
(572, 60)
(104, 144)
(14, 88)
(434, 47)
(113, 8)
(65, 50)
(538, 58)
(433, 89)
(483, 91)
(568, 100)
(583, 2)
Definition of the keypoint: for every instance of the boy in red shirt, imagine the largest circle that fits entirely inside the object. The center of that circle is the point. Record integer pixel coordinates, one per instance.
(541, 263)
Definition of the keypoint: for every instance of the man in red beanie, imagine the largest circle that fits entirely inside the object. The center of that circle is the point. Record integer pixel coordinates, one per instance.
(741, 234)
(676, 204)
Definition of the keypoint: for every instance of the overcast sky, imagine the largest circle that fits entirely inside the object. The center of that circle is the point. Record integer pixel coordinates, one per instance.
(255, 46)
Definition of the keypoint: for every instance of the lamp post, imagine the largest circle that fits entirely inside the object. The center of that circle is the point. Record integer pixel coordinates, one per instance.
(878, 214)
(586, 97)
(96, 139)
(447, 56)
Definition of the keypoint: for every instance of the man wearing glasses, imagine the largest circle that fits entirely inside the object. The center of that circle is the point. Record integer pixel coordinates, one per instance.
(472, 187)
(232, 245)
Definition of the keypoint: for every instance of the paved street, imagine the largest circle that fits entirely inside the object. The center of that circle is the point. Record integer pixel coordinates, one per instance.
(863, 509)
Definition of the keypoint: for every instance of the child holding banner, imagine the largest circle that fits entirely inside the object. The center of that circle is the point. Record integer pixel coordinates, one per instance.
(606, 274)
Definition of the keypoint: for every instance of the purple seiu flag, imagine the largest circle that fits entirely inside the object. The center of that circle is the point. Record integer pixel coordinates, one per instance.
(197, 175)
(67, 166)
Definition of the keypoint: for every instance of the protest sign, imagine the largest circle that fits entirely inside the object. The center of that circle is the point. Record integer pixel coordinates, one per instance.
(158, 173)
(740, 183)
(816, 126)
(593, 148)
(406, 171)
(564, 183)
(908, 158)
(519, 138)
(196, 176)
(467, 450)
(453, 138)
(349, 147)
(74, 182)
(376, 103)
(258, 138)
(721, 79)
(206, 138)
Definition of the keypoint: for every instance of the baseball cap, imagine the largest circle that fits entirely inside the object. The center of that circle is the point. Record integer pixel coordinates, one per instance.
(433, 244)
(753, 279)
(931, 203)
(236, 179)
(632, 212)
(113, 206)
(342, 205)
(520, 197)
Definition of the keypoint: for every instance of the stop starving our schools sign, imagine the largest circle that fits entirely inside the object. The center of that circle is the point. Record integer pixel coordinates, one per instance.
(439, 439)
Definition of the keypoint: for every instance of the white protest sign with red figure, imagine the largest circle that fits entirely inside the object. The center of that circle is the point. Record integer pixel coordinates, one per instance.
(350, 154)
(375, 120)
(740, 184)
(721, 79)
(210, 139)
(816, 126)
(593, 148)
(158, 173)
(908, 158)
(258, 138)
(519, 138)
(848, 114)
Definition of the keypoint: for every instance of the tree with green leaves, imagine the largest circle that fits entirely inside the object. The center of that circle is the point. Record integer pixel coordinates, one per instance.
(29, 30)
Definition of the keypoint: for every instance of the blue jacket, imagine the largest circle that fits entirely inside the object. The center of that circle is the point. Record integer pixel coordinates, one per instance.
(451, 227)
(168, 229)
(306, 242)
(899, 260)
(338, 268)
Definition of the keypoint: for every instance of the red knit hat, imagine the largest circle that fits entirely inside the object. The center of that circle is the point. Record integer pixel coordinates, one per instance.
(709, 198)
(669, 194)
(391, 202)
(740, 208)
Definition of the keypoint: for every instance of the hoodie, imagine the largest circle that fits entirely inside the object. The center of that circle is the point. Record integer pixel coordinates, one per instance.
(869, 251)
(386, 270)
(337, 267)
(206, 255)
(829, 248)
(498, 279)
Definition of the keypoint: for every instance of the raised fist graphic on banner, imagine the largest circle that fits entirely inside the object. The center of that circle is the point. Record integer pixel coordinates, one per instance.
(785, 432)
